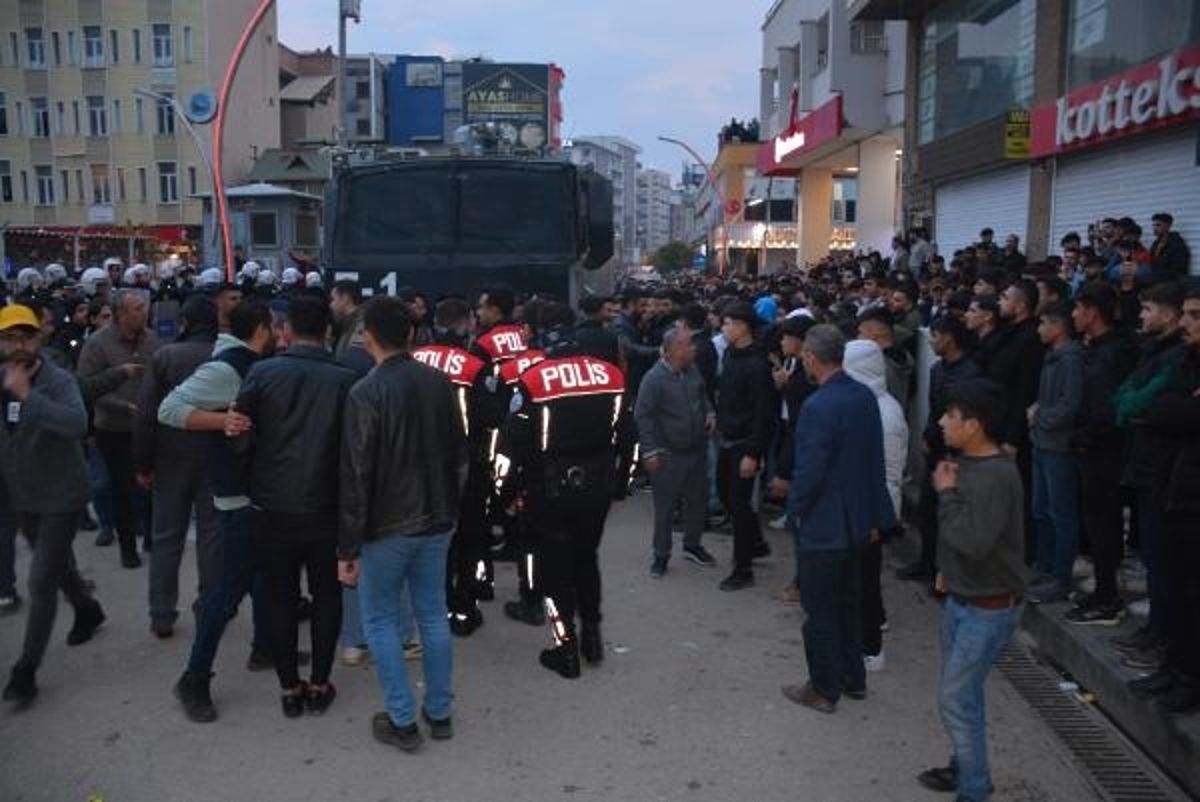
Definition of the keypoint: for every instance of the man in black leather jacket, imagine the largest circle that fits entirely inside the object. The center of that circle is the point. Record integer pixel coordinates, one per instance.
(403, 469)
(291, 420)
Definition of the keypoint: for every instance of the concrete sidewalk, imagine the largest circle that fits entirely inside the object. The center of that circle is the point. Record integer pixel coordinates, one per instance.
(686, 707)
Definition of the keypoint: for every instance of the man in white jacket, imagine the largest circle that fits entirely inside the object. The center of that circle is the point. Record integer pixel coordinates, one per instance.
(865, 364)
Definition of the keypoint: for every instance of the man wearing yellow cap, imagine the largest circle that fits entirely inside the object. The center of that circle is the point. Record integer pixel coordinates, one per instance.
(46, 482)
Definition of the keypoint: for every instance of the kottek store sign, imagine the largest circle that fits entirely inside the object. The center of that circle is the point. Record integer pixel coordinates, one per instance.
(1149, 97)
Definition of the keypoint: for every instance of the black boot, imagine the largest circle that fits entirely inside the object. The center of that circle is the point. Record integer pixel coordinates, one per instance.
(526, 613)
(591, 643)
(88, 619)
(193, 693)
(463, 624)
(129, 552)
(106, 536)
(563, 659)
(21, 687)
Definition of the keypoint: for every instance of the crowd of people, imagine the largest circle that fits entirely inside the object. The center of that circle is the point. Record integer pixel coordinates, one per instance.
(375, 449)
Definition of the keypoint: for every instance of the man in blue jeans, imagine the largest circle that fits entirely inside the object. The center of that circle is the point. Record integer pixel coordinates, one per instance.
(981, 561)
(403, 468)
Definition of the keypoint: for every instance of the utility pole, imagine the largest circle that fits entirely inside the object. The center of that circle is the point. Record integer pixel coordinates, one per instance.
(347, 9)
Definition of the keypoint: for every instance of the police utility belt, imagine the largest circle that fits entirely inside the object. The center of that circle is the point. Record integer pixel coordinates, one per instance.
(566, 477)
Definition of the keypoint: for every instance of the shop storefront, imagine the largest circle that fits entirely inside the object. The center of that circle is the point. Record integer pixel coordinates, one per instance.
(846, 188)
(84, 247)
(998, 199)
(1127, 145)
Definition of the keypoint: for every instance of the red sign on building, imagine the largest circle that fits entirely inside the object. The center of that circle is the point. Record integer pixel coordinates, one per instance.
(1157, 95)
(819, 127)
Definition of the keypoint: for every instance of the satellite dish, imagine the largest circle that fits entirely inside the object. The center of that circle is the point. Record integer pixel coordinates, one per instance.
(201, 107)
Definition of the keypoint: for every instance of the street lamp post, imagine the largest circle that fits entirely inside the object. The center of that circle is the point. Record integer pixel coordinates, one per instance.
(712, 180)
(177, 110)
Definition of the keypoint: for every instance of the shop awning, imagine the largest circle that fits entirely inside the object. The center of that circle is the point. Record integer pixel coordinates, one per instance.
(786, 154)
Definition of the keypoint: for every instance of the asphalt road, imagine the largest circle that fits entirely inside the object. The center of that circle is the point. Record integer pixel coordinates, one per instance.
(687, 706)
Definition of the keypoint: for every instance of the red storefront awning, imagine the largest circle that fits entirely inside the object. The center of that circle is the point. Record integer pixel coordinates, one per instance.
(784, 155)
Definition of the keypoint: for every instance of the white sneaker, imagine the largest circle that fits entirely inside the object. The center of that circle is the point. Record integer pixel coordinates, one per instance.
(354, 655)
(874, 662)
(778, 523)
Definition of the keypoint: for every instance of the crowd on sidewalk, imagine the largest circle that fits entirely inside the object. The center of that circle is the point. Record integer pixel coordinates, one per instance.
(1063, 422)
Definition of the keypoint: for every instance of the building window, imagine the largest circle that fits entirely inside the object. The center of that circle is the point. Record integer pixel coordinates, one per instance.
(45, 184)
(137, 46)
(93, 46)
(97, 117)
(20, 118)
(165, 116)
(362, 90)
(306, 234)
(6, 188)
(263, 232)
(142, 184)
(3, 116)
(101, 189)
(187, 44)
(16, 49)
(75, 114)
(363, 127)
(24, 187)
(60, 121)
(164, 55)
(168, 183)
(65, 175)
(139, 115)
(116, 116)
(867, 36)
(822, 59)
(1105, 39)
(976, 63)
(35, 47)
(191, 180)
(80, 192)
(121, 184)
(114, 50)
(56, 48)
(72, 48)
(41, 116)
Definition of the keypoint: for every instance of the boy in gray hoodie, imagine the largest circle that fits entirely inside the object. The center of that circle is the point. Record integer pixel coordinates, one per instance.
(1055, 467)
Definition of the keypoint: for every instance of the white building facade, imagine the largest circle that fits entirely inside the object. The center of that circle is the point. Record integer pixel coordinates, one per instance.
(616, 158)
(832, 116)
(653, 211)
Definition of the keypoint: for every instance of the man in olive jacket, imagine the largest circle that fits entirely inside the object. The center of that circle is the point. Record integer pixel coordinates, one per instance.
(46, 481)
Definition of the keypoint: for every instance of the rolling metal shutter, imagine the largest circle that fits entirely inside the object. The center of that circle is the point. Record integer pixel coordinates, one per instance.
(999, 199)
(1154, 174)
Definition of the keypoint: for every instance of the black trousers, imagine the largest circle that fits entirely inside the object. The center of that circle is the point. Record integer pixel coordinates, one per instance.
(927, 522)
(51, 570)
(468, 545)
(873, 614)
(285, 545)
(737, 497)
(1025, 469)
(117, 450)
(1182, 558)
(568, 530)
(831, 592)
(1100, 481)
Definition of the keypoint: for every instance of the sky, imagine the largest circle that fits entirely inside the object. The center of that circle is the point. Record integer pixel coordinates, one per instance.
(635, 68)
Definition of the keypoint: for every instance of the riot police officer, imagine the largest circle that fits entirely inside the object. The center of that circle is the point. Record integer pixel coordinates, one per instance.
(558, 453)
(463, 369)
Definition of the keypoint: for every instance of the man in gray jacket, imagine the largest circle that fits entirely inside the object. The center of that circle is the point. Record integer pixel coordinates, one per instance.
(46, 481)
(674, 417)
(1055, 466)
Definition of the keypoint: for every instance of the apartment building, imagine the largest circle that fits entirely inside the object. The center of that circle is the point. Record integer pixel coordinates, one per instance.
(94, 159)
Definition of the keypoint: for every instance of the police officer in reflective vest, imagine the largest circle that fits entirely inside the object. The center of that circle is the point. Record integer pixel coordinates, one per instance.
(467, 547)
(558, 452)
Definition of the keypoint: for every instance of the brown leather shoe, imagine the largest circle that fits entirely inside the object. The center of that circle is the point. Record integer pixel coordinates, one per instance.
(805, 695)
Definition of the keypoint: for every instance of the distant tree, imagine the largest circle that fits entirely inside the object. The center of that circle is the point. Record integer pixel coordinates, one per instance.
(673, 256)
